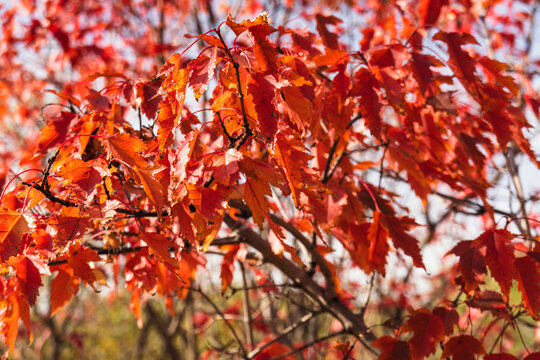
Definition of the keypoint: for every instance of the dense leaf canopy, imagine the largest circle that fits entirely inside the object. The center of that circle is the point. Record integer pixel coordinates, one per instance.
(364, 156)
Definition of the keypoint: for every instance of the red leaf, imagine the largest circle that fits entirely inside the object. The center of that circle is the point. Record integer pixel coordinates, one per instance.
(28, 277)
(365, 85)
(263, 93)
(378, 244)
(98, 102)
(528, 279)
(255, 197)
(146, 96)
(398, 228)
(501, 356)
(392, 349)
(460, 61)
(167, 121)
(299, 108)
(55, 131)
(13, 226)
(499, 256)
(471, 265)
(330, 39)
(430, 10)
(463, 347)
(428, 331)
(450, 318)
(491, 301)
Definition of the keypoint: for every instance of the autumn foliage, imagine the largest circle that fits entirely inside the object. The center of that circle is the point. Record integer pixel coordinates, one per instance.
(377, 168)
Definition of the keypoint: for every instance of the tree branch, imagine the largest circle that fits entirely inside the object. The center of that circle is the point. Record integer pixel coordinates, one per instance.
(351, 323)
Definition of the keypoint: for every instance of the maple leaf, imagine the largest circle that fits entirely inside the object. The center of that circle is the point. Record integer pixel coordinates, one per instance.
(13, 226)
(299, 108)
(528, 280)
(28, 277)
(69, 227)
(98, 102)
(491, 301)
(378, 244)
(83, 178)
(146, 93)
(499, 256)
(290, 153)
(365, 86)
(167, 121)
(430, 10)
(127, 148)
(79, 258)
(202, 70)
(159, 245)
(461, 62)
(55, 131)
(254, 196)
(181, 212)
(501, 356)
(392, 349)
(449, 316)
(152, 187)
(471, 264)
(398, 228)
(428, 331)
(262, 92)
(63, 287)
(264, 50)
(329, 39)
(463, 347)
(227, 265)
(9, 312)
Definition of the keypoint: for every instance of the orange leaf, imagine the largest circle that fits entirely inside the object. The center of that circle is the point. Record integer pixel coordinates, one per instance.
(153, 188)
(9, 326)
(127, 148)
(159, 245)
(13, 226)
(79, 259)
(63, 288)
(254, 196)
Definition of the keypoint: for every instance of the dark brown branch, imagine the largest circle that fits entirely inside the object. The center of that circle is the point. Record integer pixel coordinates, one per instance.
(351, 323)
(137, 213)
(103, 252)
(311, 343)
(247, 130)
(310, 247)
(220, 313)
(303, 320)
